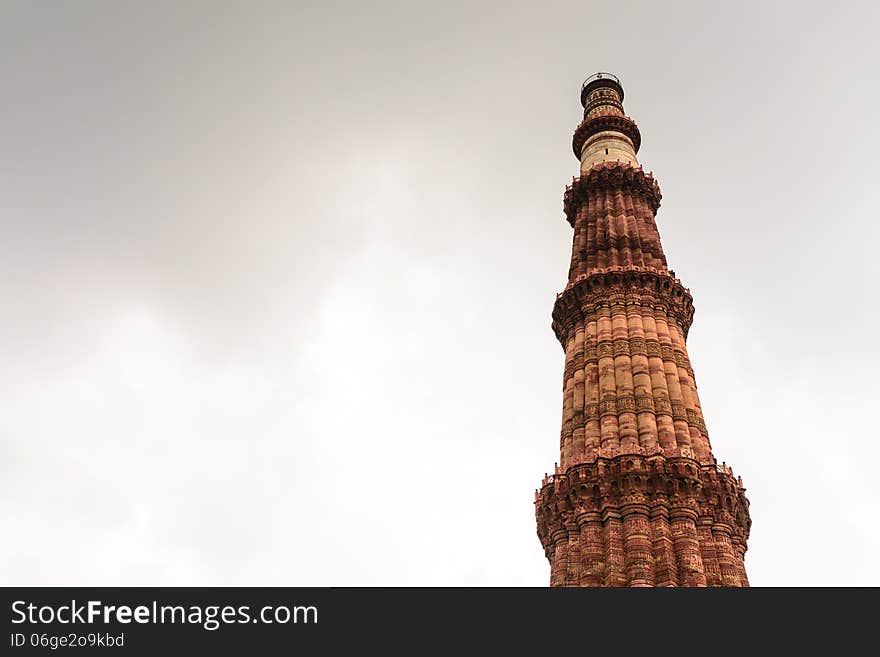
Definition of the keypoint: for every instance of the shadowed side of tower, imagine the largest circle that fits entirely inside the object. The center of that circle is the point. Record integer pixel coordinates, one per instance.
(637, 498)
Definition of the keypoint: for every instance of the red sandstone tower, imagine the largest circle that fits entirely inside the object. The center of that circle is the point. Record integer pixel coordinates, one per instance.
(637, 499)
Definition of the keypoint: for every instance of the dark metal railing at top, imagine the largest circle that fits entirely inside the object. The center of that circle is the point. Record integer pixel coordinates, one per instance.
(601, 75)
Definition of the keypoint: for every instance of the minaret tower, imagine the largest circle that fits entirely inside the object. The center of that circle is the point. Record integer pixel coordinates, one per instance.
(637, 498)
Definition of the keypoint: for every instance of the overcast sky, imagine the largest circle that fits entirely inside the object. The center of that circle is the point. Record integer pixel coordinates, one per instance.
(276, 279)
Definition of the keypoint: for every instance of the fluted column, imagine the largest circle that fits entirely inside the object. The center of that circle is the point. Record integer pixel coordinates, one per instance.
(727, 558)
(707, 550)
(559, 561)
(610, 430)
(592, 549)
(641, 376)
(615, 568)
(637, 545)
(662, 404)
(592, 425)
(741, 564)
(686, 545)
(665, 569)
(626, 406)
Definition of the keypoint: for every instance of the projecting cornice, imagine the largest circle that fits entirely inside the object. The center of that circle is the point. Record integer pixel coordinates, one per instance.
(621, 286)
(640, 483)
(610, 176)
(604, 123)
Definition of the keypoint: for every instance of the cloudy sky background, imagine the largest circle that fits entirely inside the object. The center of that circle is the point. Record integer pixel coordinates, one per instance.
(276, 279)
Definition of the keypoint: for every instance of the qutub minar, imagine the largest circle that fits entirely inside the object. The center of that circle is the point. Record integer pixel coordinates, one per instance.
(637, 498)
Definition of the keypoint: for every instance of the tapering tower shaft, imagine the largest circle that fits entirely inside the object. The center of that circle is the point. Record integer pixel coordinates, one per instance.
(637, 498)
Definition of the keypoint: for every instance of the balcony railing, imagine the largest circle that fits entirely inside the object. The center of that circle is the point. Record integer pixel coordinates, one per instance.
(601, 75)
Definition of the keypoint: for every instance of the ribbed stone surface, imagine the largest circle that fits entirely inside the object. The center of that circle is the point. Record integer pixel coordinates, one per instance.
(637, 498)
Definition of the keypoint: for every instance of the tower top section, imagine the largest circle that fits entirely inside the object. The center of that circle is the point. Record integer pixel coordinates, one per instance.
(606, 134)
(600, 79)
